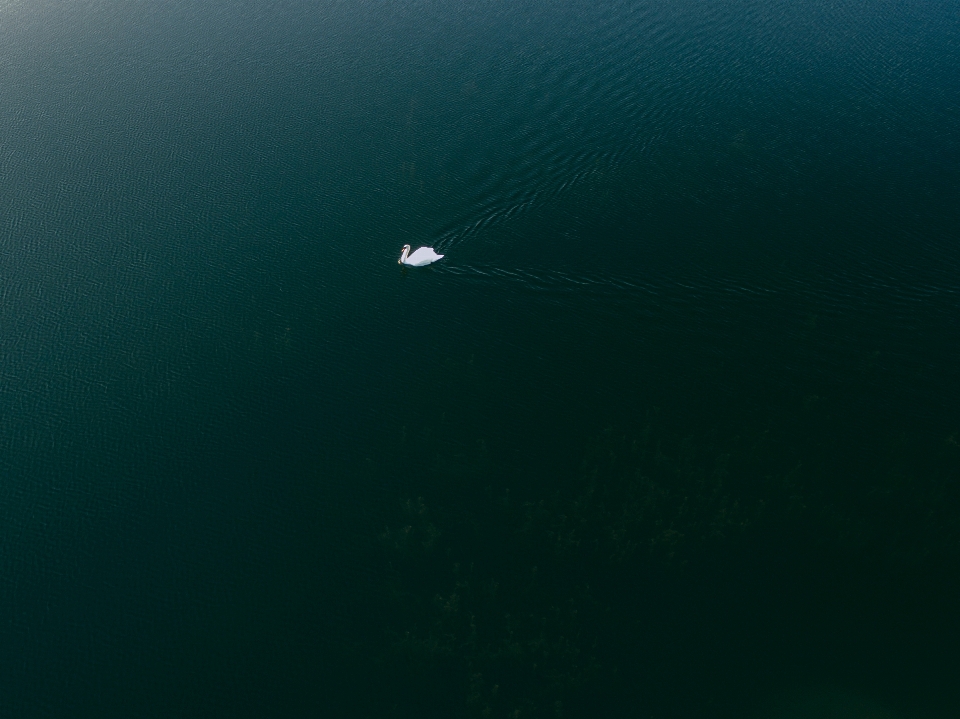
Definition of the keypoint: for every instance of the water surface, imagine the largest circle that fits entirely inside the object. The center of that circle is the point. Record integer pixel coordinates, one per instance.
(719, 221)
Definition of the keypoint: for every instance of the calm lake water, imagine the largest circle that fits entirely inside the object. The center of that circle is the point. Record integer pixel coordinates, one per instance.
(698, 322)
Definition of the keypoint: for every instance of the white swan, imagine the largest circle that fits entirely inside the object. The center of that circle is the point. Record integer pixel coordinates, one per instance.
(423, 256)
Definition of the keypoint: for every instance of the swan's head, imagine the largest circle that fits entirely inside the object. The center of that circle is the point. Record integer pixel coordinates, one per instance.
(403, 254)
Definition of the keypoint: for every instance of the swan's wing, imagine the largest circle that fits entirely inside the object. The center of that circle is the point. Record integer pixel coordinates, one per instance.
(423, 256)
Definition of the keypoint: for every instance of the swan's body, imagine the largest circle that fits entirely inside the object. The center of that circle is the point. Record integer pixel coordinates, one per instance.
(423, 256)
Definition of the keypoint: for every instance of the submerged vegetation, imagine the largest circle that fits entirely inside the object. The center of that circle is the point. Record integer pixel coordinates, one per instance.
(657, 578)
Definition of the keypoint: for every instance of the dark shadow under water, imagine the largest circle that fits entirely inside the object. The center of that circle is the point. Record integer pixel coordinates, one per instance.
(732, 570)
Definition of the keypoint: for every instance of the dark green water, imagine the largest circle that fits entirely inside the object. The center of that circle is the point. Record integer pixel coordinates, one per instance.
(671, 431)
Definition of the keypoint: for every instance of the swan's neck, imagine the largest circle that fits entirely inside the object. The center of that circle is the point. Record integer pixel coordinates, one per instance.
(403, 255)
